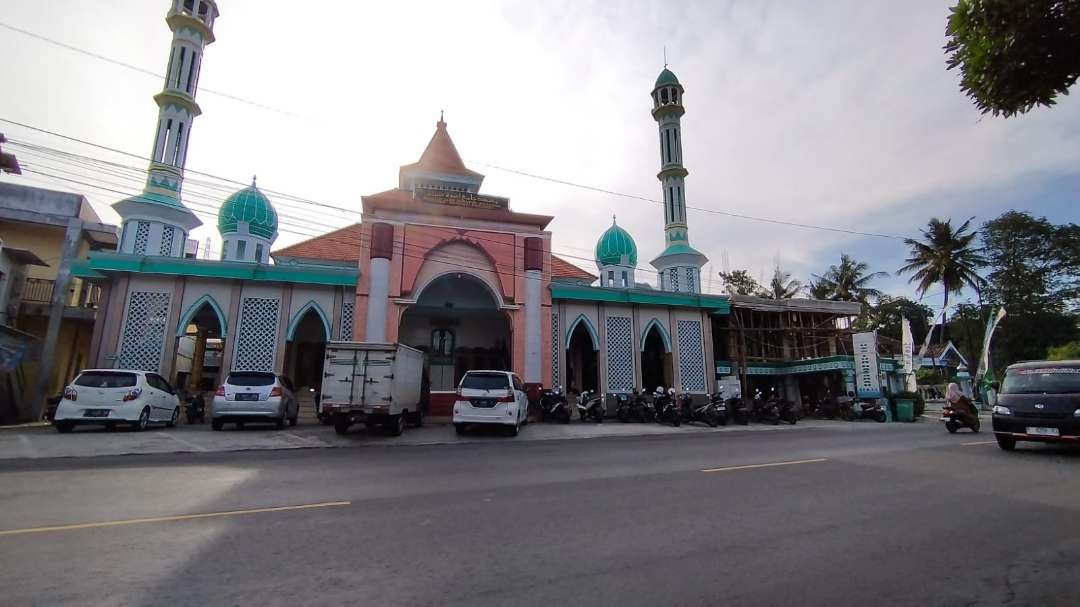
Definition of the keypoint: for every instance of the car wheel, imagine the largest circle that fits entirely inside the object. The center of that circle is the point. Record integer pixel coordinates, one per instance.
(239, 425)
(459, 428)
(64, 427)
(1007, 443)
(397, 427)
(143, 421)
(217, 424)
(418, 419)
(341, 427)
(294, 419)
(110, 426)
(279, 423)
(513, 430)
(175, 418)
(951, 427)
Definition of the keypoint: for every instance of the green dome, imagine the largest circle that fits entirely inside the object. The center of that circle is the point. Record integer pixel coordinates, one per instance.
(250, 205)
(666, 77)
(616, 247)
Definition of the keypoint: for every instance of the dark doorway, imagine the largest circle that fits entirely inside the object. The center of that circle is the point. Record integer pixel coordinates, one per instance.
(655, 362)
(582, 368)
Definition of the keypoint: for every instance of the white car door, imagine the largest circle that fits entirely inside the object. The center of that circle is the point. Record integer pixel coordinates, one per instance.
(522, 399)
(161, 397)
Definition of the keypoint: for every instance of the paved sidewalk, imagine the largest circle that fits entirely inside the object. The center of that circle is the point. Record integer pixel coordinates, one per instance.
(44, 442)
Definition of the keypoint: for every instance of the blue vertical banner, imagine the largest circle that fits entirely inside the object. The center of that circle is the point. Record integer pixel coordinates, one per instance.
(867, 376)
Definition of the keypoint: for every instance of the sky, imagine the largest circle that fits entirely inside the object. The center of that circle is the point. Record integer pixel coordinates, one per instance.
(837, 114)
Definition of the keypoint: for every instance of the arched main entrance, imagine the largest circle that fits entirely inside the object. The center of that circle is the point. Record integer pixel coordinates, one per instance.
(199, 345)
(456, 319)
(582, 367)
(656, 367)
(305, 351)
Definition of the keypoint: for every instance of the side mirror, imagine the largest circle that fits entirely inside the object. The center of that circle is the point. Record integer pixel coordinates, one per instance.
(996, 385)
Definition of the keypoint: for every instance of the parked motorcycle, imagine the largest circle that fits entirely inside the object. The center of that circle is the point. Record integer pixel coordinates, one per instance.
(635, 408)
(590, 405)
(765, 411)
(788, 411)
(871, 410)
(195, 409)
(720, 407)
(955, 419)
(665, 407)
(705, 412)
(553, 406)
(739, 409)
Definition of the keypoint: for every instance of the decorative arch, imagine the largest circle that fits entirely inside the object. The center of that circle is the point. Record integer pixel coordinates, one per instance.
(192, 310)
(486, 263)
(664, 336)
(492, 290)
(295, 322)
(589, 328)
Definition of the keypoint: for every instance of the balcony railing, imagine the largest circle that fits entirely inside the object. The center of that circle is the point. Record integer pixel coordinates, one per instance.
(80, 294)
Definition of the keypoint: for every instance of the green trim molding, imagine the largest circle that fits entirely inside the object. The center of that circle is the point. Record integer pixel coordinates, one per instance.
(99, 265)
(795, 367)
(716, 304)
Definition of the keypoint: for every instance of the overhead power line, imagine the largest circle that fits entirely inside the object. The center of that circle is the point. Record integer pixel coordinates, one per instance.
(138, 69)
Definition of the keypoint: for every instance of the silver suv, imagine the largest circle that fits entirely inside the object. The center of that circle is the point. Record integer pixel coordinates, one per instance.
(254, 396)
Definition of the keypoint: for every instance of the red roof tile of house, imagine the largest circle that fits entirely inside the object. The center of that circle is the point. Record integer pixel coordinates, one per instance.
(339, 245)
(560, 268)
(441, 155)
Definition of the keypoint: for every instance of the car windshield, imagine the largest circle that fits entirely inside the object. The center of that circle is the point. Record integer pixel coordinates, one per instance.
(251, 379)
(485, 381)
(106, 379)
(1042, 380)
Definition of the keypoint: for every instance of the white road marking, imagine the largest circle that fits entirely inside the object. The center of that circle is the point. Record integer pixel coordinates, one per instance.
(982, 442)
(769, 465)
(165, 519)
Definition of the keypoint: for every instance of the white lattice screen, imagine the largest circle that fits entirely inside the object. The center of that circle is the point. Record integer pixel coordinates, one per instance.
(674, 282)
(144, 331)
(691, 356)
(691, 280)
(142, 236)
(555, 348)
(167, 235)
(347, 308)
(620, 354)
(257, 338)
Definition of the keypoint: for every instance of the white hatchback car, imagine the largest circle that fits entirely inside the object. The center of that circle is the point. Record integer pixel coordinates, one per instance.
(117, 396)
(490, 397)
(254, 396)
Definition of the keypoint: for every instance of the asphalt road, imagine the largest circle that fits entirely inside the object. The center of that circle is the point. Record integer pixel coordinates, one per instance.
(856, 514)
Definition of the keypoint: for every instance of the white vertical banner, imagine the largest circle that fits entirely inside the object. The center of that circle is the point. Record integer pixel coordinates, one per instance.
(867, 377)
(907, 344)
(991, 326)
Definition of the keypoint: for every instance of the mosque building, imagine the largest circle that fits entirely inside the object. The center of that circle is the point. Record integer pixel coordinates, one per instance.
(434, 263)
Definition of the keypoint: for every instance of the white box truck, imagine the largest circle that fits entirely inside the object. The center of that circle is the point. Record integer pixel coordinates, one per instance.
(374, 384)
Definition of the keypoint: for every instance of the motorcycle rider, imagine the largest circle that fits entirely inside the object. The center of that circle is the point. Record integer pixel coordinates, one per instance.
(961, 405)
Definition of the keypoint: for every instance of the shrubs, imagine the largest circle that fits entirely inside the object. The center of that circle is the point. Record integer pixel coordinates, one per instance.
(920, 403)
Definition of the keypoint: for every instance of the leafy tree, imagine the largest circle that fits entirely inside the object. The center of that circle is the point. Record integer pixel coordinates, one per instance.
(1069, 351)
(783, 286)
(740, 282)
(1014, 54)
(886, 316)
(945, 256)
(848, 281)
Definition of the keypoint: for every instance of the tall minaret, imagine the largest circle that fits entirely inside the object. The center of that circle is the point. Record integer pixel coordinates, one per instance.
(156, 222)
(679, 265)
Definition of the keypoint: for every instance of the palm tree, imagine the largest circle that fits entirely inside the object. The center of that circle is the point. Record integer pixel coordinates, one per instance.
(783, 286)
(945, 256)
(848, 281)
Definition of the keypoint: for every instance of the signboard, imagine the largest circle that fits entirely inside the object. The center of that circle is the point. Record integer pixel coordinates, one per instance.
(463, 199)
(867, 376)
(908, 346)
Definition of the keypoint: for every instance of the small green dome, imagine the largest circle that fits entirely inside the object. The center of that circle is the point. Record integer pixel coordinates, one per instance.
(616, 247)
(666, 77)
(250, 205)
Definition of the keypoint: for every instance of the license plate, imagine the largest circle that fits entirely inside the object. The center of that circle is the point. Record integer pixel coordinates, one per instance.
(96, 413)
(1043, 431)
(247, 396)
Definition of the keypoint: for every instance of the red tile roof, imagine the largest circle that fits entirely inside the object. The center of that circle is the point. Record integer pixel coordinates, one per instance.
(441, 155)
(339, 245)
(560, 268)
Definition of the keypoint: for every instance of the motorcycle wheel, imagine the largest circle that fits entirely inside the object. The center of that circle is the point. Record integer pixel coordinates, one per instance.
(712, 421)
(622, 415)
(975, 427)
(565, 417)
(676, 420)
(951, 427)
(794, 419)
(881, 417)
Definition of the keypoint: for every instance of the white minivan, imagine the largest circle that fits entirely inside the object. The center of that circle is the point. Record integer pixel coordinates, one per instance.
(490, 397)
